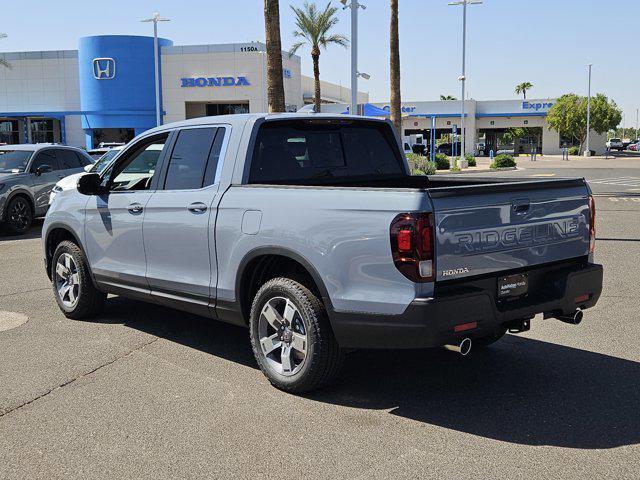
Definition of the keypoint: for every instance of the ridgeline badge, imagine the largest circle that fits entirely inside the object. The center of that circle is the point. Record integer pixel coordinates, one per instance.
(188, 82)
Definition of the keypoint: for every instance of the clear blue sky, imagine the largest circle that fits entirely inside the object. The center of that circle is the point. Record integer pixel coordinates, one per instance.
(546, 42)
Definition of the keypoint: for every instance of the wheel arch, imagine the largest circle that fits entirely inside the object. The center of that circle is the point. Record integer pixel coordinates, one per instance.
(56, 233)
(22, 192)
(261, 264)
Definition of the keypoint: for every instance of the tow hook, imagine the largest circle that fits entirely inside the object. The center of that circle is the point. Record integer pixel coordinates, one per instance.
(519, 325)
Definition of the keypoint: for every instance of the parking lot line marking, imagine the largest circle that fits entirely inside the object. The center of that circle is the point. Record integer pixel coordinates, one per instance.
(544, 175)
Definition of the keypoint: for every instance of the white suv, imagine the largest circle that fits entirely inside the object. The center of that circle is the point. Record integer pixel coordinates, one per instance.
(615, 144)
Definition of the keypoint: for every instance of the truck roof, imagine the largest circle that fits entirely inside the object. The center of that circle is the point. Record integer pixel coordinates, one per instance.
(242, 118)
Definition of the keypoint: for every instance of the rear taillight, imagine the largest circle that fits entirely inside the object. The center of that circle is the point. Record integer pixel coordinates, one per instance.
(592, 224)
(412, 245)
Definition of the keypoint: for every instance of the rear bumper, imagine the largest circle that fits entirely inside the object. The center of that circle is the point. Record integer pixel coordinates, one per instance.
(430, 322)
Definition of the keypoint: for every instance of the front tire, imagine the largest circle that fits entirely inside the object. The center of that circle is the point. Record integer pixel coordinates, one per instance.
(291, 337)
(19, 216)
(75, 292)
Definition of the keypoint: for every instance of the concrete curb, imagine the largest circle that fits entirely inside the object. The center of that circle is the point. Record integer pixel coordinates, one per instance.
(478, 170)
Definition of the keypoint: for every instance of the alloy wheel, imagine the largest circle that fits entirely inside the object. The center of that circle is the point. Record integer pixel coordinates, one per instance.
(67, 280)
(20, 215)
(283, 336)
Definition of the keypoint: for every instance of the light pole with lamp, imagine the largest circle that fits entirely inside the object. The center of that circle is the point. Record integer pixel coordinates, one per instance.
(587, 152)
(463, 77)
(156, 61)
(354, 5)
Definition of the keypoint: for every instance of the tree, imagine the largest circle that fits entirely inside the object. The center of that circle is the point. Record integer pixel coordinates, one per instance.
(568, 116)
(522, 88)
(275, 84)
(4, 63)
(394, 63)
(314, 28)
(447, 97)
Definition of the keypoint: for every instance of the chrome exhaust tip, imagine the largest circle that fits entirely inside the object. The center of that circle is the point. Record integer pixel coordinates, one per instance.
(574, 319)
(463, 348)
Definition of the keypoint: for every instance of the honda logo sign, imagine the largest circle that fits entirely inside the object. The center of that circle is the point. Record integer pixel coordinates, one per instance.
(104, 68)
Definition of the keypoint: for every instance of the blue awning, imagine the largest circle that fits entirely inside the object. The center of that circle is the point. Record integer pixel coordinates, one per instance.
(373, 111)
(369, 110)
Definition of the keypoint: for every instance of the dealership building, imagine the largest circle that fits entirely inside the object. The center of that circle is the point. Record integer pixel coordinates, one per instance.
(105, 90)
(486, 123)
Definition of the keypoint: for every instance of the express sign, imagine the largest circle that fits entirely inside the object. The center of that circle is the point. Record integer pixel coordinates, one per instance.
(537, 106)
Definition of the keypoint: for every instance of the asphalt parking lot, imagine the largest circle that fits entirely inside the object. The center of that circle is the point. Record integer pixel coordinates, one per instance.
(148, 392)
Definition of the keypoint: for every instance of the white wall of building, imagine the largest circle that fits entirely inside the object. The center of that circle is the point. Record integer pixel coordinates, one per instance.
(329, 92)
(233, 60)
(40, 81)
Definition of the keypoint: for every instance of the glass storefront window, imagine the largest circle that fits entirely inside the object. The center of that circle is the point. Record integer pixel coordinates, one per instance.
(9, 132)
(226, 108)
(42, 130)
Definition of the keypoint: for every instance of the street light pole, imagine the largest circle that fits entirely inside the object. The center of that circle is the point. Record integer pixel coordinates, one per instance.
(463, 77)
(156, 62)
(587, 152)
(353, 6)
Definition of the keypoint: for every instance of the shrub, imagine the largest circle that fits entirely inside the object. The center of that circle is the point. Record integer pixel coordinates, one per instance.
(442, 162)
(420, 164)
(470, 159)
(503, 161)
(574, 150)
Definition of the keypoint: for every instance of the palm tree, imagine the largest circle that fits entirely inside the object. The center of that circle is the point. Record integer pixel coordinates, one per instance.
(313, 28)
(394, 63)
(523, 87)
(447, 97)
(275, 85)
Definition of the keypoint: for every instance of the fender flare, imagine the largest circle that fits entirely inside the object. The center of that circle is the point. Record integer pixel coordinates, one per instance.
(293, 255)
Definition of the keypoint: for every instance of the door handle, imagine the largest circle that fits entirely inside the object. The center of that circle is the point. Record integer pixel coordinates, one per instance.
(197, 207)
(135, 208)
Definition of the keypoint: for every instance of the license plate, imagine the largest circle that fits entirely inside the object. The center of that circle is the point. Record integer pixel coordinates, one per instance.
(513, 286)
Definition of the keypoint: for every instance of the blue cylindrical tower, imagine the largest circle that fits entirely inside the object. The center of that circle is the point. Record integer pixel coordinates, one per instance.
(117, 88)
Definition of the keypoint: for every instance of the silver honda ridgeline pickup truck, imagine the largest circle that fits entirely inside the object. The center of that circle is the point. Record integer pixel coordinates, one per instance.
(310, 231)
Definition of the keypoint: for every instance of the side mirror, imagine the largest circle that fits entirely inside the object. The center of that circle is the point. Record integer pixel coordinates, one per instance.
(89, 184)
(43, 169)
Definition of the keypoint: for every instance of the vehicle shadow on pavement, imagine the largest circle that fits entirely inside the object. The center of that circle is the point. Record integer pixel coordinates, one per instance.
(34, 232)
(519, 390)
(204, 334)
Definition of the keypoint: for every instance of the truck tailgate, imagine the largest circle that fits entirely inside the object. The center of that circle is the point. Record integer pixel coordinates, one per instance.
(497, 227)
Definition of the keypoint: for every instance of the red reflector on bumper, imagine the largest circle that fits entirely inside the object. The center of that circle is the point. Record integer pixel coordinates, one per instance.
(465, 326)
(582, 298)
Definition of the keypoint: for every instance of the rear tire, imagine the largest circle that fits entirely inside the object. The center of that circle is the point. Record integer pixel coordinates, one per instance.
(291, 337)
(73, 287)
(18, 216)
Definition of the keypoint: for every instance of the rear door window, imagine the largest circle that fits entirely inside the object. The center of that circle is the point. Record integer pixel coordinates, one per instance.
(68, 159)
(308, 152)
(45, 157)
(189, 158)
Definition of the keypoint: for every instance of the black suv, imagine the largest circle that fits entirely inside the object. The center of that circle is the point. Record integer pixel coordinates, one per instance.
(27, 175)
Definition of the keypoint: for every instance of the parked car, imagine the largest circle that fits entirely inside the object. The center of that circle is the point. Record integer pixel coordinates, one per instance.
(615, 144)
(27, 175)
(309, 230)
(633, 147)
(72, 180)
(103, 148)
